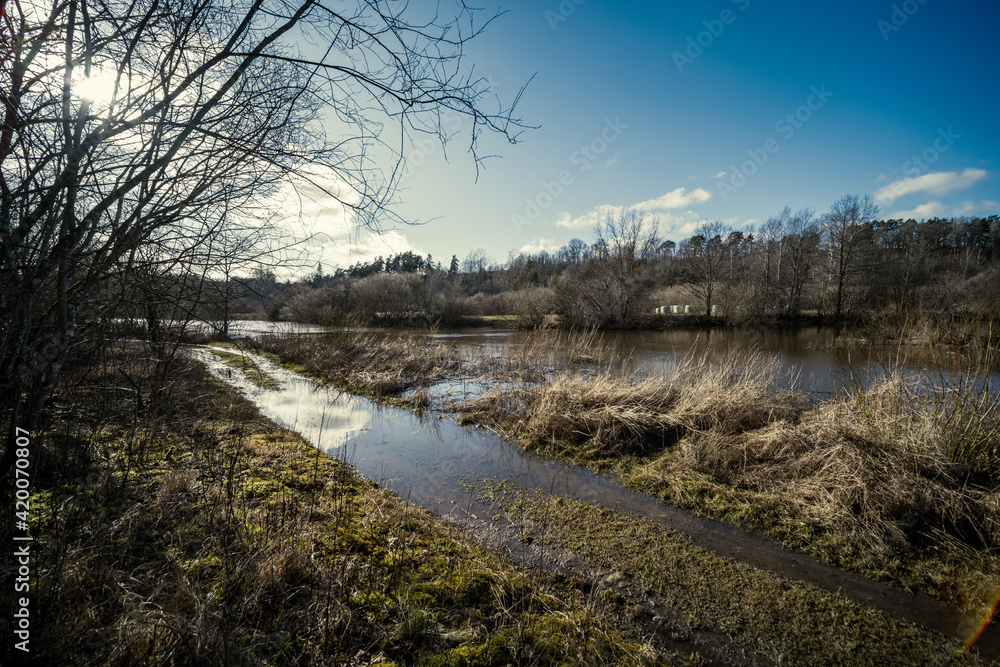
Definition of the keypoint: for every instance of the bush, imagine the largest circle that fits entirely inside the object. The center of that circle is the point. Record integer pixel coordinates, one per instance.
(530, 306)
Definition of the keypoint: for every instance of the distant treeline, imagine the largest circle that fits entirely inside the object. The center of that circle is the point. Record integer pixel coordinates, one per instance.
(844, 265)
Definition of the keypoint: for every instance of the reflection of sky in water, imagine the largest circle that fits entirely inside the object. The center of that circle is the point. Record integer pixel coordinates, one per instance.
(429, 460)
(325, 417)
(239, 328)
(423, 458)
(808, 361)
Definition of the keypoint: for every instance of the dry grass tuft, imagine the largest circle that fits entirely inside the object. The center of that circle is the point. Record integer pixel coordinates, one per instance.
(877, 479)
(614, 412)
(951, 417)
(366, 362)
(542, 353)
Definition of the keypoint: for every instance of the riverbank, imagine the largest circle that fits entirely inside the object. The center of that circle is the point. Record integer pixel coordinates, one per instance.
(681, 622)
(199, 532)
(889, 481)
(976, 334)
(885, 481)
(205, 534)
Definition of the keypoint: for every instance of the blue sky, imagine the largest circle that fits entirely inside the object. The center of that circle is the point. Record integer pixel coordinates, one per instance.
(716, 110)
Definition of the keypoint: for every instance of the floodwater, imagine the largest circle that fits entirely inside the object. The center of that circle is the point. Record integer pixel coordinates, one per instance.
(434, 462)
(807, 358)
(808, 361)
(252, 328)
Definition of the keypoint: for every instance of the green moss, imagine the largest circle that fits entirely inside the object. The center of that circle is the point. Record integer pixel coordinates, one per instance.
(226, 526)
(803, 623)
(204, 567)
(249, 369)
(260, 489)
(45, 506)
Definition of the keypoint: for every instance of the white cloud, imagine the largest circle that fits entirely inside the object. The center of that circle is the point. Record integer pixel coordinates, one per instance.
(680, 225)
(936, 183)
(677, 199)
(314, 203)
(674, 199)
(936, 209)
(720, 174)
(314, 216)
(972, 208)
(535, 247)
(368, 247)
(613, 161)
(923, 212)
(588, 219)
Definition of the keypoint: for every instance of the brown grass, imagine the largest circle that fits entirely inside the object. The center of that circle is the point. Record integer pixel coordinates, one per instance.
(366, 362)
(952, 413)
(872, 480)
(613, 412)
(540, 354)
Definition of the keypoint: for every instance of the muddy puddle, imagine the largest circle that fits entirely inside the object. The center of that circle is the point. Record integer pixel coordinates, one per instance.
(435, 463)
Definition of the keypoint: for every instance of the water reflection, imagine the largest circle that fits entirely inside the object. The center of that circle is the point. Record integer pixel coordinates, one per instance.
(808, 360)
(325, 417)
(429, 459)
(420, 457)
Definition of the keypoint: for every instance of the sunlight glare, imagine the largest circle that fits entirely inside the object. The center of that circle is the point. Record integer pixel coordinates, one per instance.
(98, 88)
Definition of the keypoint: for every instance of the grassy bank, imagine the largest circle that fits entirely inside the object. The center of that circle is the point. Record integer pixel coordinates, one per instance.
(211, 536)
(684, 593)
(892, 479)
(898, 482)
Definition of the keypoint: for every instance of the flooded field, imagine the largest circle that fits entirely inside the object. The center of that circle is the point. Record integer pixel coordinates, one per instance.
(810, 361)
(436, 463)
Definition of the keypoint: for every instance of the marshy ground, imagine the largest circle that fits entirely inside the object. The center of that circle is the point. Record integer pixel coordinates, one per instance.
(212, 536)
(205, 533)
(887, 479)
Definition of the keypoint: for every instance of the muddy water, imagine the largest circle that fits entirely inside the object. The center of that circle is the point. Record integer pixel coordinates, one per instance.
(431, 460)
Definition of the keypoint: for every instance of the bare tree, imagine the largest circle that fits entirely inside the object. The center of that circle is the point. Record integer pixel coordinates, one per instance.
(772, 238)
(847, 227)
(573, 252)
(706, 257)
(477, 261)
(612, 285)
(800, 243)
(211, 106)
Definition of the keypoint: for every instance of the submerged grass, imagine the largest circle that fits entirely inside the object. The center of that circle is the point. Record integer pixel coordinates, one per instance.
(596, 417)
(366, 363)
(955, 410)
(250, 370)
(215, 537)
(864, 482)
(541, 353)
